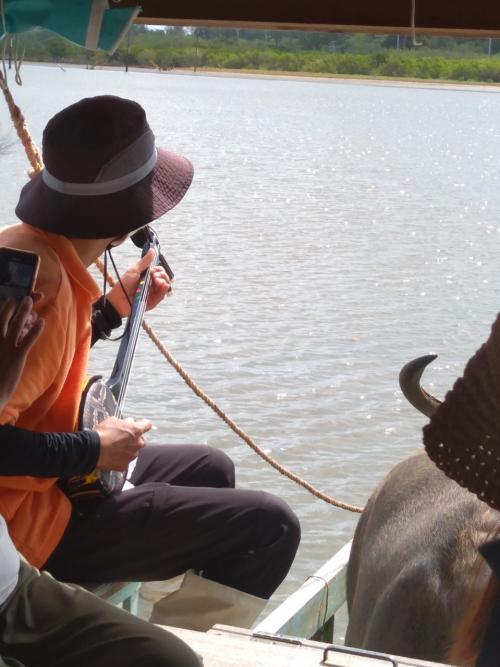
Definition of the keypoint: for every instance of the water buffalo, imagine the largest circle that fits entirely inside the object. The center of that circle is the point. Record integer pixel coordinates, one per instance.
(414, 569)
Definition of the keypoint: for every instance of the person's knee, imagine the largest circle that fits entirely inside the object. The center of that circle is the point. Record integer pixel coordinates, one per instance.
(218, 469)
(275, 527)
(277, 539)
(281, 520)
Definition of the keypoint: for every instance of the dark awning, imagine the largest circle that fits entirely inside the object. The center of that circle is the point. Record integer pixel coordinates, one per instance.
(439, 17)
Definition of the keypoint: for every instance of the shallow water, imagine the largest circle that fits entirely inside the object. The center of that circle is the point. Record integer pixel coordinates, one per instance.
(333, 232)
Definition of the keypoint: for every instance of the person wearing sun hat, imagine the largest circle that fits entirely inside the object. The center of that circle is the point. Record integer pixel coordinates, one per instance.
(463, 439)
(104, 178)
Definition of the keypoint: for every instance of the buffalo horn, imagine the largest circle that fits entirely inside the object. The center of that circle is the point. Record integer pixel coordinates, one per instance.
(409, 381)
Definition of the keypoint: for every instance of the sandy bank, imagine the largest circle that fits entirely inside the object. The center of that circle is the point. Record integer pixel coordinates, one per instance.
(473, 86)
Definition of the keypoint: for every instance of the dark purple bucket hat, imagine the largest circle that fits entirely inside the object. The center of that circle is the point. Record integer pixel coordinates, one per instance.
(103, 175)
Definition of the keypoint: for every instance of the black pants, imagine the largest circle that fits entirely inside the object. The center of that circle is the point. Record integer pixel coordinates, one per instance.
(184, 513)
(48, 624)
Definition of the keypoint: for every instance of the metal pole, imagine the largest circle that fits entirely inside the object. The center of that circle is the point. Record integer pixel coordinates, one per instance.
(195, 50)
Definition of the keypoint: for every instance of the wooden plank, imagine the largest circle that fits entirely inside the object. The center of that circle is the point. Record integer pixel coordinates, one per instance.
(307, 610)
(224, 646)
(446, 17)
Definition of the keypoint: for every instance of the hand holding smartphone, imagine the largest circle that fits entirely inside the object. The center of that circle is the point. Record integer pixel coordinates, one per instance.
(18, 271)
(19, 324)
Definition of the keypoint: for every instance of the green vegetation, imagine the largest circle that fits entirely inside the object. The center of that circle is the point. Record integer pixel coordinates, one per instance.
(294, 52)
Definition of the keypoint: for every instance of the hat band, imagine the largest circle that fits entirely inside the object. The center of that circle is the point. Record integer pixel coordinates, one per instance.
(104, 187)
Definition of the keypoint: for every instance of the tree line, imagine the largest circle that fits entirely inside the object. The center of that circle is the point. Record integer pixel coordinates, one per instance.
(285, 51)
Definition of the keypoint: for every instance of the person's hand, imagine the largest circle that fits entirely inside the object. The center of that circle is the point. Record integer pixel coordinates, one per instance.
(19, 329)
(121, 440)
(160, 286)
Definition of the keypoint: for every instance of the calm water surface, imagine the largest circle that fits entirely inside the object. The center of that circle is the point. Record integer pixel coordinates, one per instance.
(332, 232)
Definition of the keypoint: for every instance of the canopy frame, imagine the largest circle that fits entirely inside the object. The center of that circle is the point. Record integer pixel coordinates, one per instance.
(467, 18)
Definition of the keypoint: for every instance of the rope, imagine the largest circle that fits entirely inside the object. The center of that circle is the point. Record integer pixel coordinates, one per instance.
(413, 33)
(229, 422)
(32, 152)
(327, 592)
(240, 432)
(35, 159)
(10, 42)
(18, 60)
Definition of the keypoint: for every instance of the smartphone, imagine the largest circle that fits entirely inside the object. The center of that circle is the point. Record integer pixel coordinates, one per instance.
(18, 271)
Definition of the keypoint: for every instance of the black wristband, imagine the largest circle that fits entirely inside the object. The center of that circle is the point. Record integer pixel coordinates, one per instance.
(105, 318)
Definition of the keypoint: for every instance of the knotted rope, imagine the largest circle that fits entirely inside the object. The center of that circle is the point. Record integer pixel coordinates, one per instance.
(35, 160)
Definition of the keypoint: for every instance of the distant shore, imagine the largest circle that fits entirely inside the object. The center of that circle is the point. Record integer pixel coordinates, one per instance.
(400, 82)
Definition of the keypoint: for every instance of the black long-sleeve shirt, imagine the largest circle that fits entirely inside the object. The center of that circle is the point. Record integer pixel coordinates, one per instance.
(25, 452)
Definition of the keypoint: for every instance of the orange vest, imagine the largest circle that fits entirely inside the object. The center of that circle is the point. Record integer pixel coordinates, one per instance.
(47, 398)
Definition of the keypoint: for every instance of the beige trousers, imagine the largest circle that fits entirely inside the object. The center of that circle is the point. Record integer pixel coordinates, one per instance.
(201, 603)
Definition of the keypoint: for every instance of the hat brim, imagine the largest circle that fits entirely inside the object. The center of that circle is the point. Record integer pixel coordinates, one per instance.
(107, 216)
